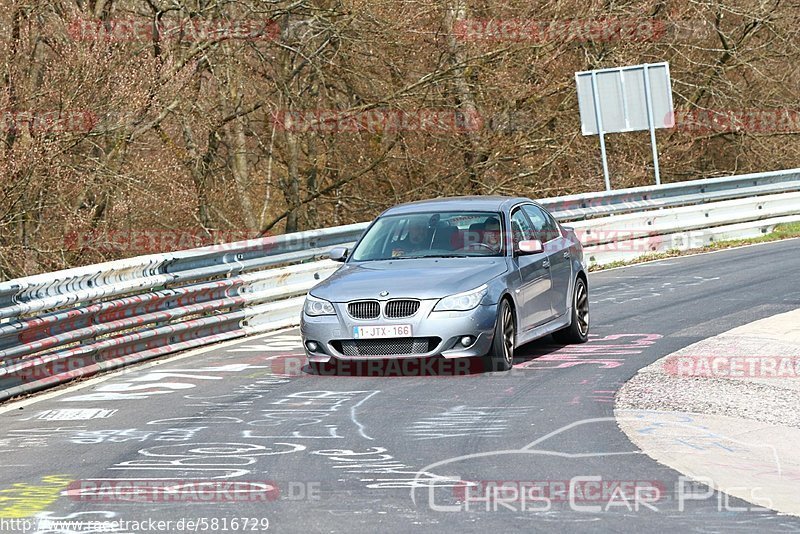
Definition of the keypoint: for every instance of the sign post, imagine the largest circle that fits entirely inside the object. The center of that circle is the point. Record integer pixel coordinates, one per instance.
(625, 99)
(599, 119)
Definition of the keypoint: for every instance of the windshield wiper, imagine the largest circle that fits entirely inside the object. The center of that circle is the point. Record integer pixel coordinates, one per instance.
(451, 256)
(430, 256)
(455, 256)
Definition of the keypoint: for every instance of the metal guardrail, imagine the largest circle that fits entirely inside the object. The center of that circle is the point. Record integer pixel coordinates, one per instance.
(681, 240)
(59, 326)
(587, 205)
(661, 222)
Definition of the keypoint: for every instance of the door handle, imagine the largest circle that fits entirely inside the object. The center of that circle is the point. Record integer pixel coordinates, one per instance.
(566, 254)
(546, 264)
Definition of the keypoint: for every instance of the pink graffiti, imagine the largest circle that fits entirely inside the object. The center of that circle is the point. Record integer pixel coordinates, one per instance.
(593, 352)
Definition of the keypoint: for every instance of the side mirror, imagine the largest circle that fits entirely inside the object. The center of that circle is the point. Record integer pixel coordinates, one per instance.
(533, 246)
(338, 253)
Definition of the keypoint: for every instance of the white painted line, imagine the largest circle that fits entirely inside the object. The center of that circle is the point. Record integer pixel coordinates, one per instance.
(73, 414)
(18, 405)
(280, 343)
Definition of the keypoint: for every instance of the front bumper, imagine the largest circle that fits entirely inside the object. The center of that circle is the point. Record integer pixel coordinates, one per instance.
(329, 331)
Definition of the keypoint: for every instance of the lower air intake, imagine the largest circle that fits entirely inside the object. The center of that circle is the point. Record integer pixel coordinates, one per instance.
(386, 347)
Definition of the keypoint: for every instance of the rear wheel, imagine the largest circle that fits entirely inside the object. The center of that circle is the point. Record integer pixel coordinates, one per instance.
(501, 355)
(578, 330)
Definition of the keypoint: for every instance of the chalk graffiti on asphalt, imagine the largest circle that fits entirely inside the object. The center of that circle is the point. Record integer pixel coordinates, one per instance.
(594, 352)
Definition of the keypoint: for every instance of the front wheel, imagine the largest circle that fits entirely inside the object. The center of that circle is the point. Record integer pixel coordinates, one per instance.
(501, 355)
(578, 330)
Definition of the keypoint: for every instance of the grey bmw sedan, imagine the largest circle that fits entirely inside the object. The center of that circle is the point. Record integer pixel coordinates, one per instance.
(454, 277)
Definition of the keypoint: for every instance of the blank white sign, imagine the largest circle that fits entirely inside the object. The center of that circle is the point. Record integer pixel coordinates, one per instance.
(621, 95)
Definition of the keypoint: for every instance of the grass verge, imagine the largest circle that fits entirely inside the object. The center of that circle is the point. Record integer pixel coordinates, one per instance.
(782, 231)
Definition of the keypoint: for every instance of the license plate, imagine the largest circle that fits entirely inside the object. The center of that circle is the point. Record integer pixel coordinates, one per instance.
(372, 332)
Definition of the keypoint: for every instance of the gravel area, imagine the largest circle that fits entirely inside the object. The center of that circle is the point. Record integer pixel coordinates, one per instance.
(766, 399)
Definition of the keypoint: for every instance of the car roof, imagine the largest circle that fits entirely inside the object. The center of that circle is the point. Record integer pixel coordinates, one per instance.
(465, 203)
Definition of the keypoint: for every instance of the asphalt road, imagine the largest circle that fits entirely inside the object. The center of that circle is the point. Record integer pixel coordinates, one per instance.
(365, 453)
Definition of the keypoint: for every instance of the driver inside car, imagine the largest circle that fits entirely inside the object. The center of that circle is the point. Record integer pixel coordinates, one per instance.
(491, 233)
(415, 240)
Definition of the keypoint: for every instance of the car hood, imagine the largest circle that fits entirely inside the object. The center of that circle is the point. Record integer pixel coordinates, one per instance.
(423, 278)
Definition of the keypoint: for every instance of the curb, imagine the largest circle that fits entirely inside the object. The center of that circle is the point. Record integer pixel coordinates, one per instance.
(714, 412)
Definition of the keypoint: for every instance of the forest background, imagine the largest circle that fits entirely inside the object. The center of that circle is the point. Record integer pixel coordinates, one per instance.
(132, 127)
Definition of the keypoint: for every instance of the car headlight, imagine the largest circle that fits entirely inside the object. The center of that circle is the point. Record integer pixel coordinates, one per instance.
(314, 306)
(462, 301)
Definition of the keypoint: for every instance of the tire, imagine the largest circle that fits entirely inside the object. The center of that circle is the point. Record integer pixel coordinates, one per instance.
(501, 354)
(578, 329)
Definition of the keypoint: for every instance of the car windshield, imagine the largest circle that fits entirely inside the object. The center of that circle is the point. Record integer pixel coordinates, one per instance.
(432, 234)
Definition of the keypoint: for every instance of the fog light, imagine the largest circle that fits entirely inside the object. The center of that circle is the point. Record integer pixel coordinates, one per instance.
(312, 346)
(467, 341)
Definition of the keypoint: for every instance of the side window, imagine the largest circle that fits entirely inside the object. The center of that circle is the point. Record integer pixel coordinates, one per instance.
(546, 228)
(521, 229)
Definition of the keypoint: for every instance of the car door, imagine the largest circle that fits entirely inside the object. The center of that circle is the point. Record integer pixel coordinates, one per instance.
(558, 254)
(533, 294)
